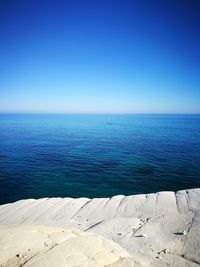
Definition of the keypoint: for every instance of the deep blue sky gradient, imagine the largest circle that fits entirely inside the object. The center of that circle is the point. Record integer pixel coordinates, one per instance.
(100, 56)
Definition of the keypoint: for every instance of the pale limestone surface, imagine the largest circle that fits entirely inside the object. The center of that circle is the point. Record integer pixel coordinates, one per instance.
(161, 229)
(43, 246)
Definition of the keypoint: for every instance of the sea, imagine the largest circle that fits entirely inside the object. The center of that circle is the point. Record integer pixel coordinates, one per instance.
(59, 155)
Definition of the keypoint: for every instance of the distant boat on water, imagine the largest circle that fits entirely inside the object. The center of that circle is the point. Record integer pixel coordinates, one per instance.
(109, 122)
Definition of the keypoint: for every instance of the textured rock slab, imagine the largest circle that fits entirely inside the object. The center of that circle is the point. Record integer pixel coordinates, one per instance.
(40, 246)
(160, 229)
(50, 210)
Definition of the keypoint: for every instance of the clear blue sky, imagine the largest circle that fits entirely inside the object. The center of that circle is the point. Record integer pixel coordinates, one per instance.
(100, 56)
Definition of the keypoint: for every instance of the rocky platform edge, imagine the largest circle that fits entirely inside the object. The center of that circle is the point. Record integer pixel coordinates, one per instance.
(161, 229)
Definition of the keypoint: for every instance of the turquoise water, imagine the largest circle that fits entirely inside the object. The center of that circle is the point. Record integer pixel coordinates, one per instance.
(97, 155)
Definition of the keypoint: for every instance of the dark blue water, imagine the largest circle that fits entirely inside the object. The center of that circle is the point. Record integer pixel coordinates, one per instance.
(97, 155)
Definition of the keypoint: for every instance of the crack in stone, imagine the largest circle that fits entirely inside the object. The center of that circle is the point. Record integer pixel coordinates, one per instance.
(92, 226)
(176, 201)
(121, 201)
(141, 224)
(75, 214)
(188, 201)
(189, 259)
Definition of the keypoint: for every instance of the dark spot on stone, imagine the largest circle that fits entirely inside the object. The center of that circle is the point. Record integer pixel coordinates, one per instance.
(179, 233)
(17, 255)
(119, 234)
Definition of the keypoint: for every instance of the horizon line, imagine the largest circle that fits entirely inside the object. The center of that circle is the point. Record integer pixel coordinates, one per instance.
(96, 113)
